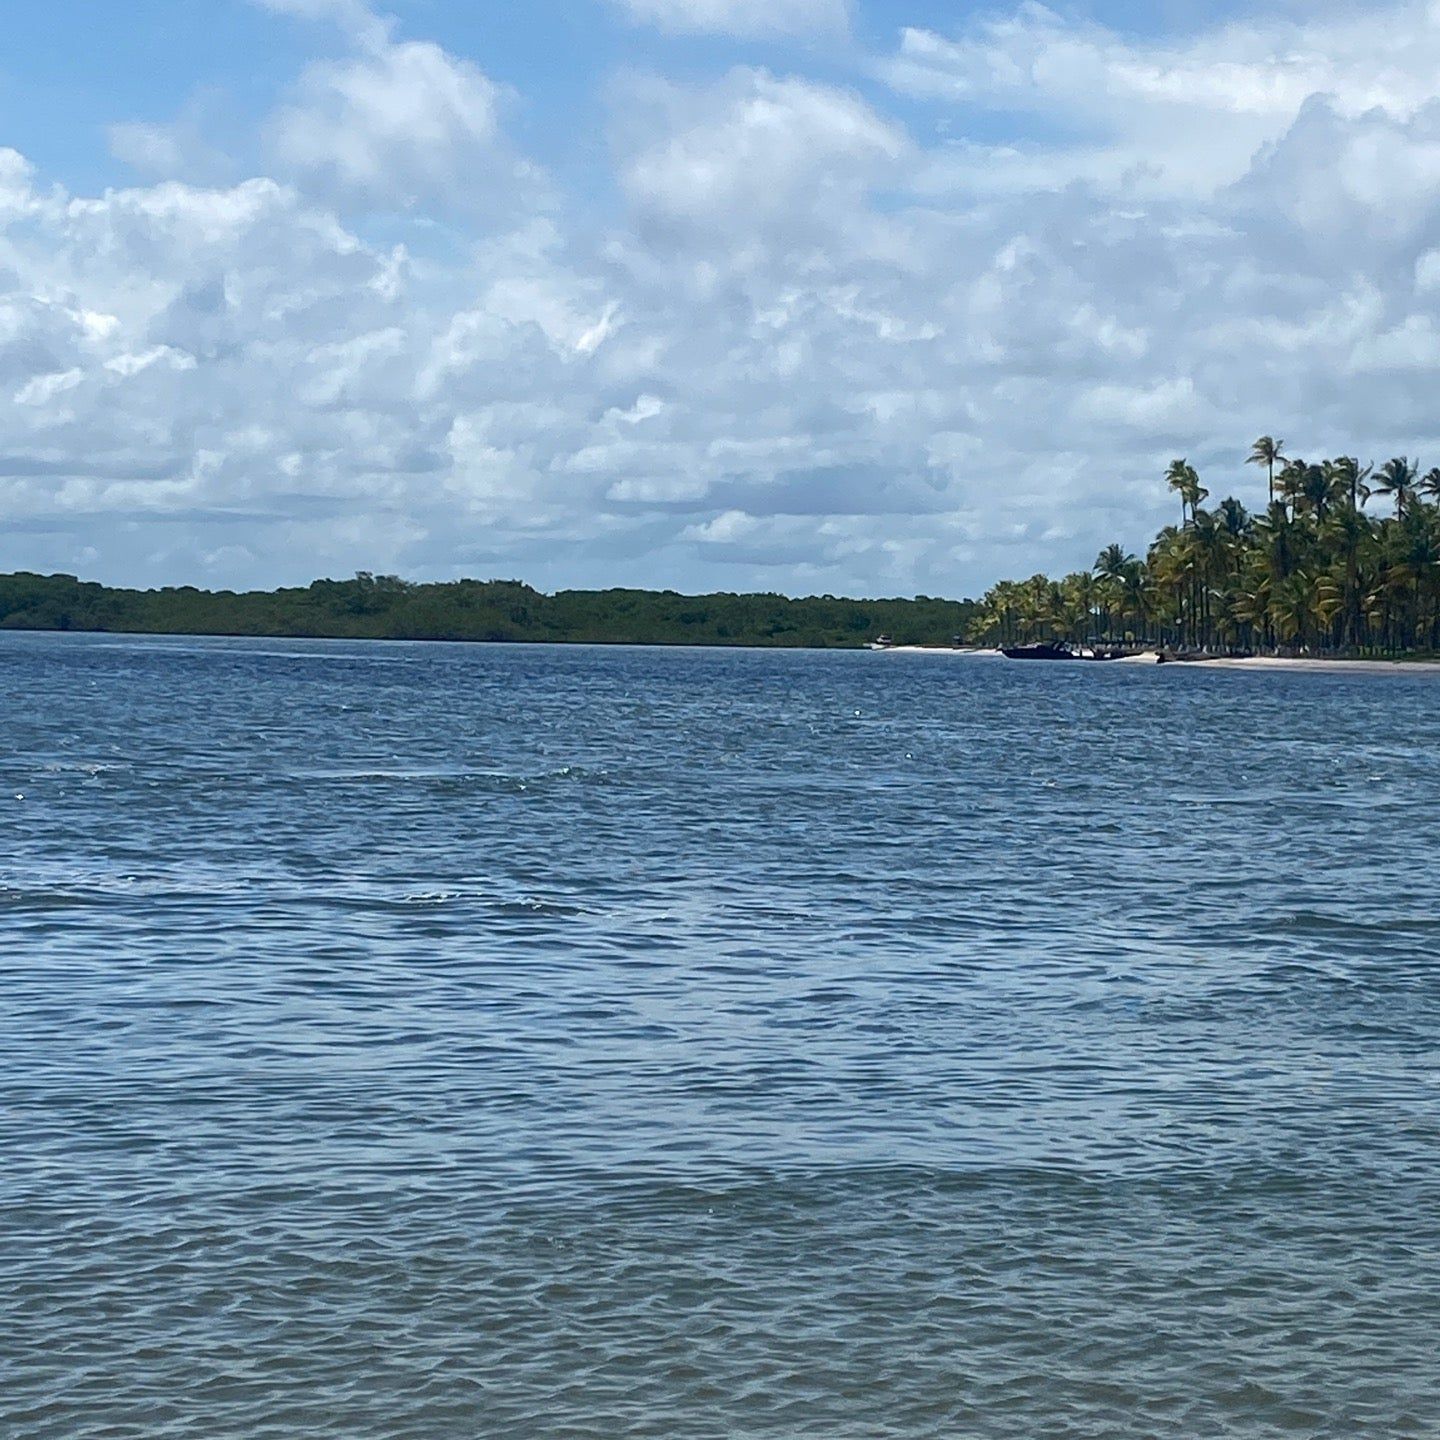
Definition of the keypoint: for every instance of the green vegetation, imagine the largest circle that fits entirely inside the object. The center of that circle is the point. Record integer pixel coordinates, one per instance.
(1316, 573)
(383, 607)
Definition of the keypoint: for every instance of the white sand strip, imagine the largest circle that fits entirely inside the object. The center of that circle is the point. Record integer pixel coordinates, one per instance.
(1302, 663)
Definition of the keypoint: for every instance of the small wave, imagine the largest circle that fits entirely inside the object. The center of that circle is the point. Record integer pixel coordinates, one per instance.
(455, 777)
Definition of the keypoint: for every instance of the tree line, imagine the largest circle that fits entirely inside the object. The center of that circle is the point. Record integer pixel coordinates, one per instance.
(389, 608)
(1320, 571)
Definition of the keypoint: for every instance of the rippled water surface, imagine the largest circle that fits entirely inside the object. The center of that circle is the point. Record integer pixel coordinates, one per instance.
(420, 1041)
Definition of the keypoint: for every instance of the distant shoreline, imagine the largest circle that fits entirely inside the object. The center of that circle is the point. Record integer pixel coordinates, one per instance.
(371, 607)
(1297, 664)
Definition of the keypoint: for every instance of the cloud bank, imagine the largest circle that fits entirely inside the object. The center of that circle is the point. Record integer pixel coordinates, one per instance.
(819, 335)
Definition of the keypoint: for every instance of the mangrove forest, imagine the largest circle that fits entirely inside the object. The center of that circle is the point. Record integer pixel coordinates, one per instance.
(384, 607)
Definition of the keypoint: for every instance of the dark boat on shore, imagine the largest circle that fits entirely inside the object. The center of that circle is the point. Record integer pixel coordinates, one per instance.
(1047, 651)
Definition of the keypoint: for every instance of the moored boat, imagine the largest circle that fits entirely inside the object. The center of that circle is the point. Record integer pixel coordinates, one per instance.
(1046, 650)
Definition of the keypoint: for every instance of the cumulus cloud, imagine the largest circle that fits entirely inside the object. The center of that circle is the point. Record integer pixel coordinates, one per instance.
(746, 18)
(810, 345)
(756, 150)
(398, 125)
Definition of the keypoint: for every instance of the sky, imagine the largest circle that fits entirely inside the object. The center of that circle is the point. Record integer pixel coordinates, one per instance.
(820, 296)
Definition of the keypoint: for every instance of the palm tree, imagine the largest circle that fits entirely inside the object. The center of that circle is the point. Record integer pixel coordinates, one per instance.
(1302, 603)
(1078, 599)
(1413, 556)
(1183, 479)
(1174, 564)
(1137, 590)
(1281, 541)
(1266, 452)
(1112, 565)
(1178, 481)
(1351, 477)
(1234, 518)
(1397, 477)
(1212, 552)
(1249, 603)
(1321, 487)
(1001, 613)
(1234, 532)
(1429, 483)
(1347, 531)
(1291, 485)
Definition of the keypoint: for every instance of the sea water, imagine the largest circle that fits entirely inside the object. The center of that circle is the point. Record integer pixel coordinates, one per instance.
(408, 1040)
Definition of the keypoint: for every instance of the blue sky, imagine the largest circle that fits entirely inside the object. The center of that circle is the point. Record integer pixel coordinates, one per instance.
(75, 67)
(857, 296)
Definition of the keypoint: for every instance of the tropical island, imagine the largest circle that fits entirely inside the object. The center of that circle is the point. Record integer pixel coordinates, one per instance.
(1315, 574)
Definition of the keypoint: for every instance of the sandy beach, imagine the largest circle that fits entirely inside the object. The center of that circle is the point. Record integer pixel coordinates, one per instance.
(1302, 664)
(1297, 664)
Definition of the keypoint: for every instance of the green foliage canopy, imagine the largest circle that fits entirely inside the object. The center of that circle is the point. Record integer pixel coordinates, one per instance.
(1315, 573)
(383, 607)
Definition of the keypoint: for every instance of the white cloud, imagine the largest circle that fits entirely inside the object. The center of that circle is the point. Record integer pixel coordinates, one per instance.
(398, 125)
(746, 18)
(724, 529)
(805, 347)
(16, 176)
(43, 389)
(757, 149)
(1173, 115)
